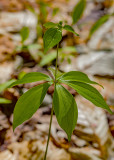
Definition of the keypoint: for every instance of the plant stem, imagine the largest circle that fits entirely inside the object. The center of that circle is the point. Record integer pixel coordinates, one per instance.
(49, 133)
(56, 64)
(52, 110)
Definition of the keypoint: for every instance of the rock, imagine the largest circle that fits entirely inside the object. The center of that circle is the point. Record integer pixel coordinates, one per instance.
(12, 23)
(104, 66)
(99, 63)
(6, 69)
(16, 21)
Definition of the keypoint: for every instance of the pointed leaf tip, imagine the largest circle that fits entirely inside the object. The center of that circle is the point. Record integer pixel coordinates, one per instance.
(65, 109)
(70, 29)
(76, 76)
(78, 11)
(51, 38)
(90, 93)
(98, 24)
(28, 104)
(24, 33)
(31, 77)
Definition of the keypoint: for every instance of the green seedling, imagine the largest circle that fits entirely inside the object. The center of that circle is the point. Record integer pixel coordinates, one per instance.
(4, 101)
(35, 50)
(64, 104)
(78, 11)
(24, 34)
(4, 86)
(41, 16)
(65, 53)
(98, 24)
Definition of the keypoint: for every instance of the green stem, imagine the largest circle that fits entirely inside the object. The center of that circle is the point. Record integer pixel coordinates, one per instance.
(56, 64)
(52, 110)
(49, 133)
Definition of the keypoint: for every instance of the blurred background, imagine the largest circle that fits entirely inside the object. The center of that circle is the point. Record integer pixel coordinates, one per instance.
(21, 52)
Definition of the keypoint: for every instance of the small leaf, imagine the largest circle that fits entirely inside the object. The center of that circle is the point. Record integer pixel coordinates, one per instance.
(31, 9)
(76, 76)
(31, 77)
(65, 109)
(70, 29)
(69, 60)
(70, 49)
(4, 101)
(78, 11)
(18, 49)
(28, 104)
(24, 33)
(50, 25)
(55, 11)
(21, 74)
(39, 30)
(48, 58)
(90, 93)
(6, 85)
(58, 74)
(43, 10)
(51, 38)
(34, 46)
(98, 24)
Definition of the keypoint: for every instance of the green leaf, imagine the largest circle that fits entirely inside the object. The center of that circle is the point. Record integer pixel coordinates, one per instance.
(90, 93)
(31, 77)
(39, 30)
(70, 49)
(21, 74)
(58, 74)
(5, 85)
(34, 46)
(76, 76)
(28, 104)
(65, 109)
(69, 60)
(70, 29)
(4, 101)
(43, 11)
(48, 58)
(55, 11)
(98, 24)
(78, 10)
(31, 9)
(24, 33)
(50, 25)
(51, 38)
